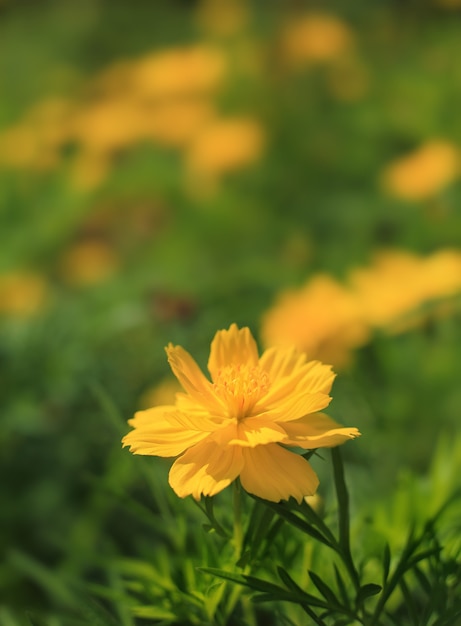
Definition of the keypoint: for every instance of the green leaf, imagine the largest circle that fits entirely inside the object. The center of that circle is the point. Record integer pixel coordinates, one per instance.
(296, 595)
(366, 591)
(421, 557)
(95, 613)
(208, 528)
(296, 521)
(240, 579)
(409, 602)
(213, 525)
(449, 620)
(291, 584)
(386, 562)
(422, 579)
(289, 597)
(153, 612)
(288, 581)
(325, 590)
(48, 580)
(341, 586)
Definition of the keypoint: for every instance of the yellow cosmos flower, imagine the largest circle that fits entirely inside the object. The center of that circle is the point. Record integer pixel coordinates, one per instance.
(322, 317)
(226, 145)
(423, 173)
(242, 422)
(316, 38)
(23, 294)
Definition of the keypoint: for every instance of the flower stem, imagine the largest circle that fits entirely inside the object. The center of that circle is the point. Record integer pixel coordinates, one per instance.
(236, 593)
(238, 530)
(343, 517)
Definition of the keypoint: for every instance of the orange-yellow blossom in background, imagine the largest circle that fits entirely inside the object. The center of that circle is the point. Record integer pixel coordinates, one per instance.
(23, 294)
(329, 320)
(322, 318)
(424, 172)
(316, 38)
(395, 286)
(242, 422)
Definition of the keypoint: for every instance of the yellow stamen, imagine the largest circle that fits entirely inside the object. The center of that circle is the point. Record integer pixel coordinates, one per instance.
(241, 386)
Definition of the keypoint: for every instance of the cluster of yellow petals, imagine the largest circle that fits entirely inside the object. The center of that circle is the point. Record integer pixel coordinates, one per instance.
(424, 172)
(225, 145)
(165, 98)
(322, 317)
(243, 422)
(329, 319)
(398, 283)
(316, 38)
(23, 294)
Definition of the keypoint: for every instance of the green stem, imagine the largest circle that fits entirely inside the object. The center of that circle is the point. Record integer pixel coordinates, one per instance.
(238, 530)
(236, 593)
(343, 517)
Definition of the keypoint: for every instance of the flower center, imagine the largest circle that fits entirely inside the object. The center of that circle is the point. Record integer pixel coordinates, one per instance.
(241, 386)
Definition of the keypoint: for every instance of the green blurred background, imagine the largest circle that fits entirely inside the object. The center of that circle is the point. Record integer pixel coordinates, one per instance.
(166, 169)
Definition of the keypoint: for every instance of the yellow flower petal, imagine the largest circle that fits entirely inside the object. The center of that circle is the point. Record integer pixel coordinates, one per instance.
(154, 434)
(317, 430)
(295, 406)
(205, 469)
(312, 377)
(253, 432)
(280, 362)
(249, 433)
(192, 378)
(156, 416)
(232, 347)
(275, 474)
(196, 419)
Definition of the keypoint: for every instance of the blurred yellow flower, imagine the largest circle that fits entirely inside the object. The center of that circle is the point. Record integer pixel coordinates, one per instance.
(398, 283)
(225, 145)
(175, 123)
(22, 294)
(178, 72)
(51, 118)
(442, 274)
(316, 38)
(22, 147)
(322, 318)
(243, 421)
(34, 143)
(423, 173)
(390, 288)
(88, 262)
(107, 125)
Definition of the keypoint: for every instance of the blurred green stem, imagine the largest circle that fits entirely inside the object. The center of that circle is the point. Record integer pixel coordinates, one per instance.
(236, 593)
